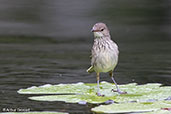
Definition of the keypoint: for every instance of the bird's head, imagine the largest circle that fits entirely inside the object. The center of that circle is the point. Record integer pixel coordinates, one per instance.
(100, 30)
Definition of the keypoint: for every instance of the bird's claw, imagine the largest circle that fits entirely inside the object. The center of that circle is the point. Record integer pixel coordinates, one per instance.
(99, 94)
(118, 91)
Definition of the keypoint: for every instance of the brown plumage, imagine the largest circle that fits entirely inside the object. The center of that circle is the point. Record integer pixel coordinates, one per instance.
(104, 54)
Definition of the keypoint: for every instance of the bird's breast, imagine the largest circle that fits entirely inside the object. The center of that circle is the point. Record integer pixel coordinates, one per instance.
(104, 58)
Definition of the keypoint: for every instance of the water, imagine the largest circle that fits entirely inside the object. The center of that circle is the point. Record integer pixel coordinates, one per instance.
(49, 42)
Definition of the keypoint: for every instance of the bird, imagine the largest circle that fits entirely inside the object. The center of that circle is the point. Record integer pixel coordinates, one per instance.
(104, 55)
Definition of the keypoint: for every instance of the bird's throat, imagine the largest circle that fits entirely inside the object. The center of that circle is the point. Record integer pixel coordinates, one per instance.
(98, 34)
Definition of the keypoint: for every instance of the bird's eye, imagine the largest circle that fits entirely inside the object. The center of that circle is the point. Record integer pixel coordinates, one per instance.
(102, 29)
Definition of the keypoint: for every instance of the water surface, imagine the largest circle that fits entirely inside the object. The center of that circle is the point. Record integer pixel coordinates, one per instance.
(49, 42)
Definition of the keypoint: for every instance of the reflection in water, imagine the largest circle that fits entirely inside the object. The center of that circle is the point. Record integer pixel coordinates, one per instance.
(49, 42)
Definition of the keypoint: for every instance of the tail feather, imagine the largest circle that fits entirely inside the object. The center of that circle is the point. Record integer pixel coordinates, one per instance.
(90, 70)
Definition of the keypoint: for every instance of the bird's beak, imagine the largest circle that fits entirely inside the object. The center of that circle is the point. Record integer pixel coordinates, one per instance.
(93, 30)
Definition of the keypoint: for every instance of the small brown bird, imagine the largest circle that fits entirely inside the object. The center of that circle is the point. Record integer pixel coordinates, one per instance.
(104, 54)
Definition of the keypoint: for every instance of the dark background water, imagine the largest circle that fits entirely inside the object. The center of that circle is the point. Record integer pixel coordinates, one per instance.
(49, 41)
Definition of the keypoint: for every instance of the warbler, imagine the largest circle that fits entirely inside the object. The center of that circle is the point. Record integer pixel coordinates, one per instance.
(104, 54)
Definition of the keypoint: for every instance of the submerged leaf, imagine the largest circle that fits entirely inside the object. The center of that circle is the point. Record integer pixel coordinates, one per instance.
(132, 107)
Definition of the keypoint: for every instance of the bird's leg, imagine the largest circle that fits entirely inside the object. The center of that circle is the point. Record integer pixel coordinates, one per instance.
(98, 89)
(118, 90)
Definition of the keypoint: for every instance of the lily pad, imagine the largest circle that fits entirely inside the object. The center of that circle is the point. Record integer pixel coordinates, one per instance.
(55, 89)
(156, 112)
(133, 107)
(87, 92)
(43, 112)
(71, 98)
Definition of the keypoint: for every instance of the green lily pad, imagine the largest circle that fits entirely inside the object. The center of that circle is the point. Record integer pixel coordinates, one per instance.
(55, 89)
(71, 98)
(133, 107)
(156, 112)
(87, 92)
(43, 112)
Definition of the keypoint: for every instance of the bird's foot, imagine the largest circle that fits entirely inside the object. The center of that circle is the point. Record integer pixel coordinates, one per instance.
(119, 91)
(99, 94)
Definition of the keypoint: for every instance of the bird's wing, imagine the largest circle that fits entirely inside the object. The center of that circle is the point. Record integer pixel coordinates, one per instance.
(90, 70)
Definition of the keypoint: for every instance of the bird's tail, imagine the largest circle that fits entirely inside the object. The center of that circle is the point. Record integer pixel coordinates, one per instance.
(90, 70)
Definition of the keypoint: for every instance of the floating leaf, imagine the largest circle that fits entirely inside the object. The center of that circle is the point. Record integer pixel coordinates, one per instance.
(86, 92)
(71, 98)
(156, 112)
(43, 112)
(53, 89)
(132, 107)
